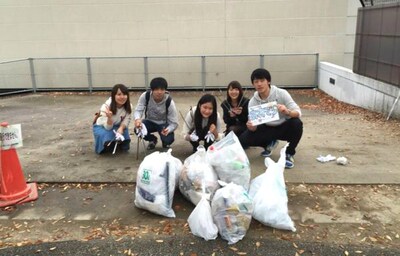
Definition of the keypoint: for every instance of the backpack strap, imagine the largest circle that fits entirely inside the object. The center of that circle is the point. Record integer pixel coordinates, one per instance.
(147, 97)
(167, 104)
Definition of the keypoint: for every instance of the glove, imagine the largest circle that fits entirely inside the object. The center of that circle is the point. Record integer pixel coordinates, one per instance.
(118, 136)
(194, 137)
(141, 132)
(209, 137)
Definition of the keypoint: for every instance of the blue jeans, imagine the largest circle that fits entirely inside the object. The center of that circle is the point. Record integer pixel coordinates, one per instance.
(102, 136)
(153, 127)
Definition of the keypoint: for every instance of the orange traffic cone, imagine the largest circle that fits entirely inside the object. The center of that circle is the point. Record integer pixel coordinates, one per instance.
(13, 187)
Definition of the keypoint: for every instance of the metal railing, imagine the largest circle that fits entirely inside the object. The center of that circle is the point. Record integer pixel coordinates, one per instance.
(182, 72)
(366, 3)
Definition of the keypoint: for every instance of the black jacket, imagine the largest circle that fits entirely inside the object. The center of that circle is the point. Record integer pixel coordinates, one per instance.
(237, 120)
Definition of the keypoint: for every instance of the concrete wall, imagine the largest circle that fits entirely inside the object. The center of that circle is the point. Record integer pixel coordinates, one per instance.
(65, 28)
(344, 85)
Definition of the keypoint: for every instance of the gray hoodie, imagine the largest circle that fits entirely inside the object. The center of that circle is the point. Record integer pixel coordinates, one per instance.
(156, 112)
(279, 95)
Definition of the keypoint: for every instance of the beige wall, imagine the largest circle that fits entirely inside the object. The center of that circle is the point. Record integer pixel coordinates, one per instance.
(62, 28)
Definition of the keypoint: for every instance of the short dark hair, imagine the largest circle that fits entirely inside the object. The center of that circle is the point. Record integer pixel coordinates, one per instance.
(158, 82)
(260, 73)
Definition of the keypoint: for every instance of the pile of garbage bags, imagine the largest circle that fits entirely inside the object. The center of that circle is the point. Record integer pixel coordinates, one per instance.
(217, 182)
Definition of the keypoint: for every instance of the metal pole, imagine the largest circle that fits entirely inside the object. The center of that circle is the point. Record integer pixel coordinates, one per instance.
(89, 74)
(394, 104)
(261, 61)
(146, 72)
(33, 76)
(203, 72)
(317, 71)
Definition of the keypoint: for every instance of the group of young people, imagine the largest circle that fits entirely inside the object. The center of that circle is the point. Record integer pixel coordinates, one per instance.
(156, 112)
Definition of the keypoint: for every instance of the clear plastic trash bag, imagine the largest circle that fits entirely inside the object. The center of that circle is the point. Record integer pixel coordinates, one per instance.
(230, 161)
(232, 208)
(197, 170)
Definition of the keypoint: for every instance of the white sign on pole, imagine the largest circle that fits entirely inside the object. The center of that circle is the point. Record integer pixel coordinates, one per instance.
(10, 136)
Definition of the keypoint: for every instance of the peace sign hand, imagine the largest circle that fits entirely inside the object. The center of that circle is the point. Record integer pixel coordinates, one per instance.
(108, 112)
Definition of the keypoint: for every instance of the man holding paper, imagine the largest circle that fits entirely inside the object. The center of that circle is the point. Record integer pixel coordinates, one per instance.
(273, 115)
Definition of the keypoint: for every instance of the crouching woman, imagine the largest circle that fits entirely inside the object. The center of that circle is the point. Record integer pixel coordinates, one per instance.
(111, 125)
(203, 123)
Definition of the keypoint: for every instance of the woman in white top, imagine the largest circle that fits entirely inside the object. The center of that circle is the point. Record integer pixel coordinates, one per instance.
(203, 123)
(113, 120)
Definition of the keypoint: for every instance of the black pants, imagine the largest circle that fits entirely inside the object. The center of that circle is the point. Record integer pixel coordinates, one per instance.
(290, 131)
(238, 129)
(195, 144)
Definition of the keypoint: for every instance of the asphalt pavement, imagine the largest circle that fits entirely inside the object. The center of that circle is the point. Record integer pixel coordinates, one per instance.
(85, 204)
(173, 245)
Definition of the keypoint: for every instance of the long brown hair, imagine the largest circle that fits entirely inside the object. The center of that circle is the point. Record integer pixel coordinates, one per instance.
(125, 91)
(234, 85)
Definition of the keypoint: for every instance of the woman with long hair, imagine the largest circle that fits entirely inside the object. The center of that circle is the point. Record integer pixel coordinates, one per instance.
(235, 109)
(111, 124)
(203, 123)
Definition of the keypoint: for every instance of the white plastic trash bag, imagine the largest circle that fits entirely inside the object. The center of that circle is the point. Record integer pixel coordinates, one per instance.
(201, 221)
(232, 208)
(268, 192)
(196, 171)
(230, 161)
(156, 183)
